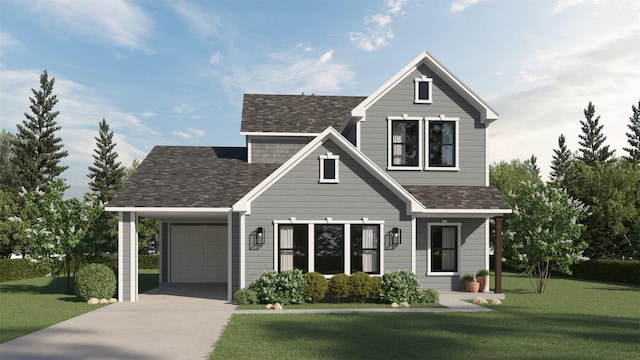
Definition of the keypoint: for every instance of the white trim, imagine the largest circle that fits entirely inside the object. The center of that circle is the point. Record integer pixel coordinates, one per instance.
(120, 257)
(414, 244)
(462, 213)
(329, 156)
(487, 249)
(358, 135)
(456, 120)
(404, 117)
(276, 246)
(458, 252)
(329, 221)
(416, 90)
(242, 254)
(311, 248)
(168, 209)
(486, 157)
(229, 256)
(249, 151)
(276, 134)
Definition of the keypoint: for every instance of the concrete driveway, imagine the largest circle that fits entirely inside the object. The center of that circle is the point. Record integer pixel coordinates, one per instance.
(169, 322)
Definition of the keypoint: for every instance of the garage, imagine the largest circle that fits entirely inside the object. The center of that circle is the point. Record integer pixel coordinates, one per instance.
(198, 254)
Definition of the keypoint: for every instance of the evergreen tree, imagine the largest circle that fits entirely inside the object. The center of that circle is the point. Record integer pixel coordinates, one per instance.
(592, 145)
(633, 137)
(106, 174)
(37, 150)
(561, 160)
(7, 174)
(533, 166)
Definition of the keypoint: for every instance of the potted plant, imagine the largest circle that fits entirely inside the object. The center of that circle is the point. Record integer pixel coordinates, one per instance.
(471, 282)
(483, 279)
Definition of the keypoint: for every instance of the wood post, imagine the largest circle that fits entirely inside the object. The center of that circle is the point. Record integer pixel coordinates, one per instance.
(498, 255)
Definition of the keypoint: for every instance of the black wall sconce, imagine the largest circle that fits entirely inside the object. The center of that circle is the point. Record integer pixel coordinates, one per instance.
(260, 236)
(396, 236)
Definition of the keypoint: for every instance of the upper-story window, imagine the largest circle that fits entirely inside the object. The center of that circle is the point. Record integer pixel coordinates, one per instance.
(442, 138)
(423, 90)
(405, 139)
(329, 168)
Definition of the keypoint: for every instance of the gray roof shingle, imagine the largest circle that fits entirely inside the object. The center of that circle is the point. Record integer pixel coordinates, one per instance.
(189, 176)
(295, 113)
(458, 197)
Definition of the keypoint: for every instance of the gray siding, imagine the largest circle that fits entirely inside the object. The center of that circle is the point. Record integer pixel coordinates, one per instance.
(472, 253)
(275, 150)
(298, 194)
(164, 252)
(235, 252)
(126, 255)
(398, 101)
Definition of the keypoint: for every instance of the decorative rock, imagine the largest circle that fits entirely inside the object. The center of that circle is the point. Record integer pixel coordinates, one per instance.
(394, 305)
(113, 300)
(93, 301)
(103, 301)
(404, 304)
(269, 306)
(496, 301)
(480, 300)
(277, 306)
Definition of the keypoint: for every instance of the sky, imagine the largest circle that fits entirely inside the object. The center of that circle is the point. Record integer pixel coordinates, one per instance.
(174, 72)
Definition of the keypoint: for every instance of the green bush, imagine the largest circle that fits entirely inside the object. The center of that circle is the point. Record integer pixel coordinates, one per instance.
(95, 281)
(400, 286)
(430, 296)
(148, 261)
(18, 269)
(618, 271)
(340, 286)
(245, 297)
(315, 286)
(286, 287)
(364, 287)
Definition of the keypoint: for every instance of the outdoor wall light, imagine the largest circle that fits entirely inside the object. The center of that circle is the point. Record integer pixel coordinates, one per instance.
(396, 238)
(260, 236)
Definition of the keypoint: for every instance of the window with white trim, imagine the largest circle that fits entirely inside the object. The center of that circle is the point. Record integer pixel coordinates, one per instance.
(405, 139)
(423, 90)
(443, 248)
(365, 248)
(293, 247)
(442, 143)
(329, 248)
(329, 168)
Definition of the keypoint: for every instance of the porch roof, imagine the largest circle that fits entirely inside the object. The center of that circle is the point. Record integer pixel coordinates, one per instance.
(462, 198)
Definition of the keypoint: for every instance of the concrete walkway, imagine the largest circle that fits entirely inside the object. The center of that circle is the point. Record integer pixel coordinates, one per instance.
(169, 322)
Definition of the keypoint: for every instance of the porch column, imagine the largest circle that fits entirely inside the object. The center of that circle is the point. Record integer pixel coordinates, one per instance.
(128, 257)
(498, 255)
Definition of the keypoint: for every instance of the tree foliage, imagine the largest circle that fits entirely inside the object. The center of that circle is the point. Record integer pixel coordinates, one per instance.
(507, 177)
(12, 238)
(7, 172)
(106, 173)
(561, 161)
(592, 140)
(544, 232)
(633, 137)
(37, 149)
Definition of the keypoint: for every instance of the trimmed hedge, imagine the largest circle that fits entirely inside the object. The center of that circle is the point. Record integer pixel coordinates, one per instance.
(18, 269)
(618, 271)
(148, 261)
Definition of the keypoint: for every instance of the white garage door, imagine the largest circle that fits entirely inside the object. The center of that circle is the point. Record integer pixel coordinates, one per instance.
(199, 254)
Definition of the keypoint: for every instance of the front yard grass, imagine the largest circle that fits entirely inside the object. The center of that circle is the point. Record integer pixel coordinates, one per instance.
(574, 319)
(29, 305)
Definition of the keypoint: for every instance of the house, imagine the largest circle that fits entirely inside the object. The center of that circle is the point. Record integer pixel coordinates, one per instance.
(391, 181)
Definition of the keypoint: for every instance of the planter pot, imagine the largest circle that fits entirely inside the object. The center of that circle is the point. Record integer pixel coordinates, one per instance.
(473, 287)
(484, 283)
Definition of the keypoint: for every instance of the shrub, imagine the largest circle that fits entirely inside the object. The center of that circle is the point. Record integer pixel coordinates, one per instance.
(146, 261)
(286, 287)
(430, 296)
(245, 297)
(619, 271)
(400, 286)
(95, 281)
(18, 269)
(315, 286)
(364, 287)
(340, 286)
(482, 272)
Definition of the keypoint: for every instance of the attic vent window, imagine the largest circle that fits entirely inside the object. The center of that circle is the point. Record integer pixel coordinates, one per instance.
(329, 168)
(423, 90)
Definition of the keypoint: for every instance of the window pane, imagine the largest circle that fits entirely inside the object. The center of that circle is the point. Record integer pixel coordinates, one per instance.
(444, 248)
(293, 247)
(423, 91)
(329, 249)
(329, 169)
(365, 248)
(405, 143)
(442, 143)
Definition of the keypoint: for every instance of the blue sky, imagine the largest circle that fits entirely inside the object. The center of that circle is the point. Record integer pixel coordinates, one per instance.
(174, 72)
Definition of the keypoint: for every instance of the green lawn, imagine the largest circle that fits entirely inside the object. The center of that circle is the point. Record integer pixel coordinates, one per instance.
(33, 304)
(572, 320)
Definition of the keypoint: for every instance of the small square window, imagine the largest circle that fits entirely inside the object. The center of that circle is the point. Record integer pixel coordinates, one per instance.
(423, 90)
(329, 168)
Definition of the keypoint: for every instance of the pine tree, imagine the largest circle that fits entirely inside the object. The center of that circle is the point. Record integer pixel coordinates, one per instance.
(561, 160)
(633, 137)
(592, 145)
(106, 174)
(533, 166)
(37, 150)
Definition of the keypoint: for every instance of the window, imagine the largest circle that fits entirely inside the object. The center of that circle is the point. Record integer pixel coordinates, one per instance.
(329, 248)
(443, 248)
(329, 168)
(365, 248)
(293, 247)
(442, 140)
(423, 90)
(405, 135)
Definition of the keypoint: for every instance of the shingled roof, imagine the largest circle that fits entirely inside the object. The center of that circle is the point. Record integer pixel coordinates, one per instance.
(295, 113)
(194, 177)
(458, 197)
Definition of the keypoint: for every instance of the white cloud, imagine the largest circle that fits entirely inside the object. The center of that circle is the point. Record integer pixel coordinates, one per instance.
(326, 57)
(532, 79)
(116, 22)
(396, 6)
(8, 42)
(215, 58)
(189, 133)
(378, 32)
(562, 5)
(199, 21)
(460, 5)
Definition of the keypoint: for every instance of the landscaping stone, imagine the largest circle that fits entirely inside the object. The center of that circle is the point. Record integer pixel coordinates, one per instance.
(113, 300)
(496, 301)
(269, 306)
(394, 305)
(277, 306)
(404, 304)
(103, 301)
(480, 300)
(93, 301)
